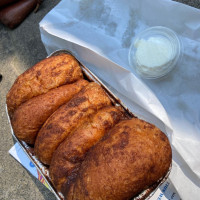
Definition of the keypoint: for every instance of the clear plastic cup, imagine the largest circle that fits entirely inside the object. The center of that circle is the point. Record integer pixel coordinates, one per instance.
(158, 71)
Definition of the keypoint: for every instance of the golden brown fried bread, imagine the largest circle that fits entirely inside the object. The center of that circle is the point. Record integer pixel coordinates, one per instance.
(70, 153)
(67, 118)
(50, 73)
(129, 159)
(29, 117)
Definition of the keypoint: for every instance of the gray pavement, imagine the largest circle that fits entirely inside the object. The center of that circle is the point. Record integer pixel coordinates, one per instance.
(19, 49)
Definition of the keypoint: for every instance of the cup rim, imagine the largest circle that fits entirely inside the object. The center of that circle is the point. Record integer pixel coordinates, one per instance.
(156, 30)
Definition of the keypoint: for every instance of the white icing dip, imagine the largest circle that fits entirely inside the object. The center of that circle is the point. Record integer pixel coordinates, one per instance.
(154, 55)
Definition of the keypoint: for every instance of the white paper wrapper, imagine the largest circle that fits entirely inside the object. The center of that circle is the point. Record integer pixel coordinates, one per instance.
(100, 32)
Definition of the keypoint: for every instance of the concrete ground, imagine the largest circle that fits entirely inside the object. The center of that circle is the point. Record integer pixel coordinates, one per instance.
(19, 49)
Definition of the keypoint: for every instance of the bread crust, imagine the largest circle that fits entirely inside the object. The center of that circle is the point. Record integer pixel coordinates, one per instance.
(29, 117)
(72, 150)
(68, 118)
(130, 158)
(49, 73)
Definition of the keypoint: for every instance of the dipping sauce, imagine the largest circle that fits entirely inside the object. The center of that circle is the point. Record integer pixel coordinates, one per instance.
(154, 52)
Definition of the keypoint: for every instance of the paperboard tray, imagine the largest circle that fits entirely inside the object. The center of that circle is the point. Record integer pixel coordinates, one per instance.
(88, 75)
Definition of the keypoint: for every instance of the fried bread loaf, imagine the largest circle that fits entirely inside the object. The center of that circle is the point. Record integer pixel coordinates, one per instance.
(130, 158)
(31, 115)
(67, 118)
(50, 73)
(71, 151)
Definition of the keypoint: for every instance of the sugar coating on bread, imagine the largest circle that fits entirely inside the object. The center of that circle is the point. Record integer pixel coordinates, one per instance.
(49, 73)
(71, 152)
(130, 158)
(29, 117)
(68, 118)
